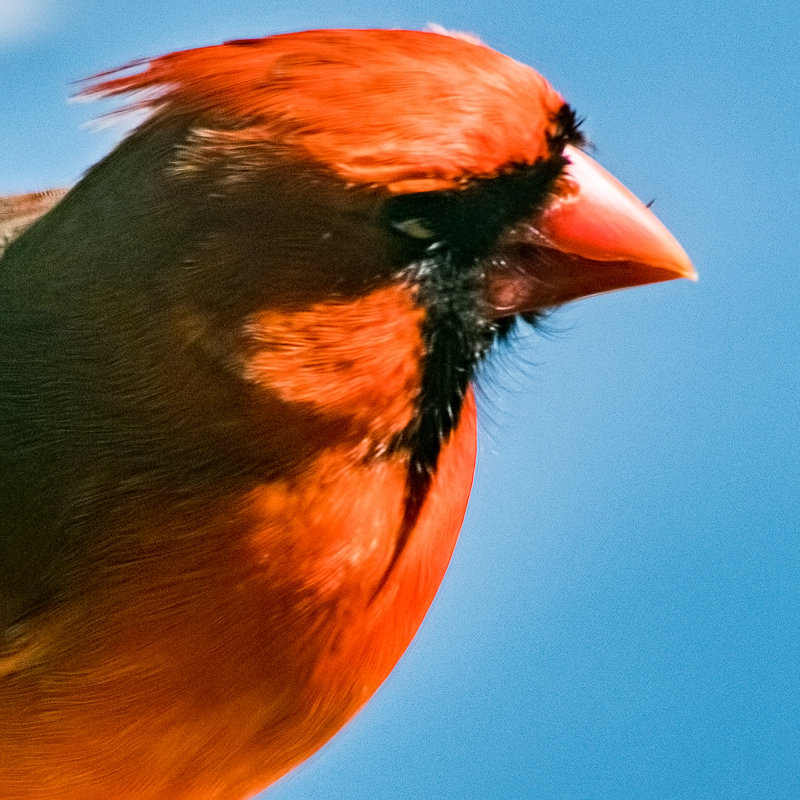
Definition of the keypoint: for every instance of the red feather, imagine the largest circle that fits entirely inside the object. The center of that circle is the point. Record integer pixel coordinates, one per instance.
(406, 110)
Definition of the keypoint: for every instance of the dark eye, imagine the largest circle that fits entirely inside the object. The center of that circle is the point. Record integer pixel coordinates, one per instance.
(468, 220)
(415, 227)
(424, 221)
(429, 208)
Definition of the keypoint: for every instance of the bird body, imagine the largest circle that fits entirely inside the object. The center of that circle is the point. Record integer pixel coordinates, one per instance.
(223, 649)
(238, 432)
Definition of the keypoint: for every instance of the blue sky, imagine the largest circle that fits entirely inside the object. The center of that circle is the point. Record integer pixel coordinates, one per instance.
(622, 615)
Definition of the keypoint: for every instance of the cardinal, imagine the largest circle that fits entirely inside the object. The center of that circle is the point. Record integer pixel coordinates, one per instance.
(237, 428)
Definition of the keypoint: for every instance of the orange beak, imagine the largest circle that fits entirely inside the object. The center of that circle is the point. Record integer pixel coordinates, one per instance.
(594, 237)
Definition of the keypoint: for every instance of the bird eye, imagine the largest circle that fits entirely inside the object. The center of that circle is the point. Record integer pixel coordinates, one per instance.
(415, 228)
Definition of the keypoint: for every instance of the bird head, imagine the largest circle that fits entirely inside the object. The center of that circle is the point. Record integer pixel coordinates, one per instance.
(425, 171)
(364, 213)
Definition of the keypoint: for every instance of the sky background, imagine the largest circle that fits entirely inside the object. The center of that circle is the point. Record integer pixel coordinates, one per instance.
(622, 614)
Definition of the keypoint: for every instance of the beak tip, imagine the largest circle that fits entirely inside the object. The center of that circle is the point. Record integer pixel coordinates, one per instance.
(682, 266)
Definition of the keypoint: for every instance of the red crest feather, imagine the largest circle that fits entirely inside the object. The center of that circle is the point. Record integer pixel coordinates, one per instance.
(409, 110)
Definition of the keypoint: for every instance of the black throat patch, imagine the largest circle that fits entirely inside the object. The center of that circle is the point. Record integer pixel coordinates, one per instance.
(450, 237)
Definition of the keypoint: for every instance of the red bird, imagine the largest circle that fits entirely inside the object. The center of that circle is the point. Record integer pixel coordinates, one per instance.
(237, 434)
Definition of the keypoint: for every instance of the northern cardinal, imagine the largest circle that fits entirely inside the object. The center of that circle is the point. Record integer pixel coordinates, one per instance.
(237, 434)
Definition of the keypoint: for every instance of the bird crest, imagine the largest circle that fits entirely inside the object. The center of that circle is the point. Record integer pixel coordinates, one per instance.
(409, 111)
